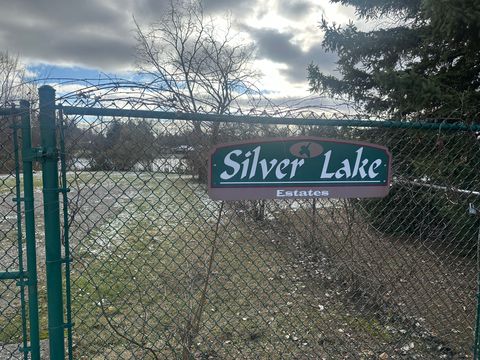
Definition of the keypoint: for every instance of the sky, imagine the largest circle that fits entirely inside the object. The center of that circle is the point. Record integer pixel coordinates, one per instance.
(89, 38)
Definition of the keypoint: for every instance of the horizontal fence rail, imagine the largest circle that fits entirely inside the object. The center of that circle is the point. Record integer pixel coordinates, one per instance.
(199, 117)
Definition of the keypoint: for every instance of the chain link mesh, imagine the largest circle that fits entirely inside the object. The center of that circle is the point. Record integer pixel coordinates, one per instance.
(10, 292)
(161, 271)
(16, 277)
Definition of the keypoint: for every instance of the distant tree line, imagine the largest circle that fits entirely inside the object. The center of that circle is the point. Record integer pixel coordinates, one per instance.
(120, 146)
(135, 145)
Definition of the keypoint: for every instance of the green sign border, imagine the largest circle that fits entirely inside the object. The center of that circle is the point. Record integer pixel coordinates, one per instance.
(294, 191)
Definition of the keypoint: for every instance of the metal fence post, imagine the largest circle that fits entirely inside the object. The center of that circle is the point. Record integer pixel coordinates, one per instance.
(27, 158)
(472, 210)
(53, 252)
(476, 346)
(18, 199)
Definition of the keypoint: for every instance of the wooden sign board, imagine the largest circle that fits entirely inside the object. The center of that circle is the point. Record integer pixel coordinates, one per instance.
(298, 167)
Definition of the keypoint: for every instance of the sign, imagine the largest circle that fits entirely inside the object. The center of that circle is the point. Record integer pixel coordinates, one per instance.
(298, 167)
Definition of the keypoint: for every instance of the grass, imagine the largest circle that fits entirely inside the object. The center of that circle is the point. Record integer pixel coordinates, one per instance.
(10, 313)
(7, 184)
(398, 278)
(156, 266)
(11, 328)
(140, 244)
(140, 270)
(372, 327)
(11, 321)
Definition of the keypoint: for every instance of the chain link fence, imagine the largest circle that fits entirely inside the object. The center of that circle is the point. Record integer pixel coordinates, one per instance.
(20, 289)
(13, 292)
(10, 313)
(161, 271)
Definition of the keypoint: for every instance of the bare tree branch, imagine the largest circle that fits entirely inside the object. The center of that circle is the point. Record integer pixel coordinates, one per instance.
(12, 80)
(196, 63)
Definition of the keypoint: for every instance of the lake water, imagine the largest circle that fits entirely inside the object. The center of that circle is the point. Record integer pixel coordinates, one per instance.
(165, 165)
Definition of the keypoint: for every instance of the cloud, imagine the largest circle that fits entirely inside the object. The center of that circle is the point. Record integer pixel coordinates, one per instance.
(87, 33)
(273, 44)
(233, 6)
(295, 9)
(279, 47)
(98, 35)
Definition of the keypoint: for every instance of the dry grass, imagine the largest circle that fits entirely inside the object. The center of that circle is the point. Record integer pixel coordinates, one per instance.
(398, 278)
(291, 283)
(142, 267)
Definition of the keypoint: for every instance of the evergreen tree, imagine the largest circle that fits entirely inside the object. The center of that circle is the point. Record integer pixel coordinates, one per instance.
(421, 59)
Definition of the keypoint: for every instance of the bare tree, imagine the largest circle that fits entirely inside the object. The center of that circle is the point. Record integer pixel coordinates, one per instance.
(12, 79)
(197, 64)
(12, 87)
(194, 63)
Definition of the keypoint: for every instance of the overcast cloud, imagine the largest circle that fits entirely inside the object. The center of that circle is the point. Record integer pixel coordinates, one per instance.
(99, 34)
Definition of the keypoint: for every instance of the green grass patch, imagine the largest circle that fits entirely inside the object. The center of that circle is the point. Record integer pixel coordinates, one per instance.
(141, 277)
(11, 329)
(7, 184)
(371, 327)
(139, 272)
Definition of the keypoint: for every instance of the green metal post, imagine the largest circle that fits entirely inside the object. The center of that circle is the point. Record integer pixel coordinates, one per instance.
(51, 208)
(30, 230)
(66, 237)
(476, 348)
(21, 282)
